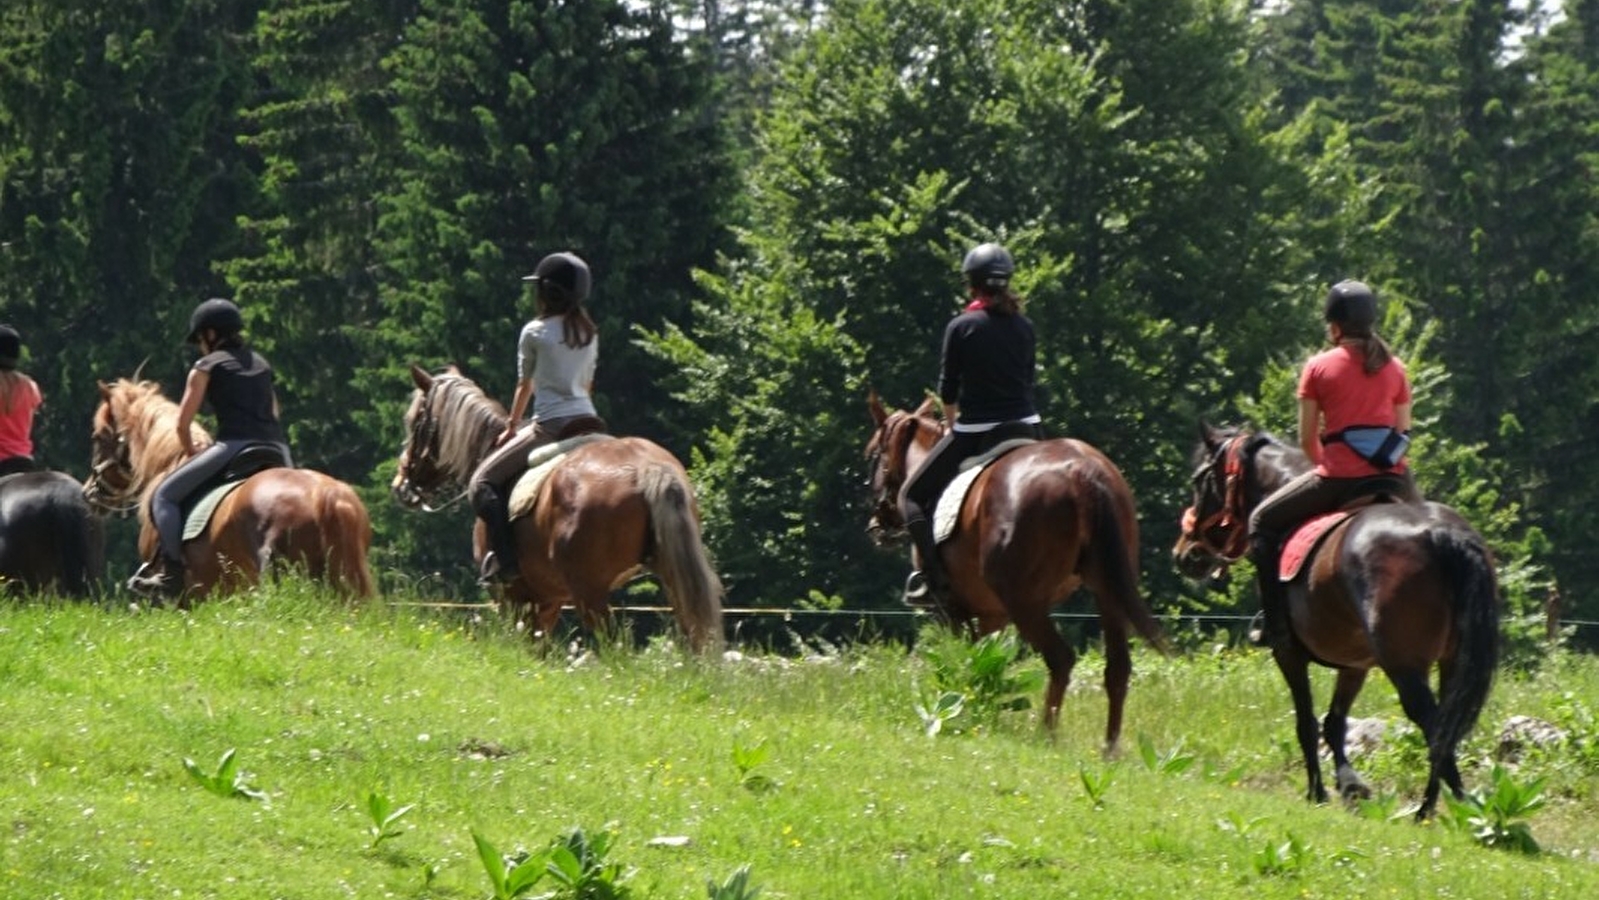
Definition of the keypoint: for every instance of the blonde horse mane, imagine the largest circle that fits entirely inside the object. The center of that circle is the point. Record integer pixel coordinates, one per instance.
(467, 419)
(148, 421)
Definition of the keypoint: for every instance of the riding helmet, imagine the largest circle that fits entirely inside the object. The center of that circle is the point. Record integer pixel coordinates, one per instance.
(1352, 305)
(217, 314)
(566, 271)
(988, 265)
(10, 347)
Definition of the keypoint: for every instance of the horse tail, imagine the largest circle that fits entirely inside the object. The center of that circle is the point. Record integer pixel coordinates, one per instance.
(1474, 596)
(1113, 509)
(680, 560)
(346, 536)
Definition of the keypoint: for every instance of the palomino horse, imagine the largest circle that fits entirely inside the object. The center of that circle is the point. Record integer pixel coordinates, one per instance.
(607, 511)
(277, 516)
(1399, 586)
(1038, 523)
(50, 539)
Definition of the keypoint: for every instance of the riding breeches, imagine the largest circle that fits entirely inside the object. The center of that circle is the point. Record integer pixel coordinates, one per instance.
(166, 505)
(1310, 495)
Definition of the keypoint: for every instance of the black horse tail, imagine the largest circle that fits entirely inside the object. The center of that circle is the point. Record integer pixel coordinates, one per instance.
(1475, 595)
(1118, 557)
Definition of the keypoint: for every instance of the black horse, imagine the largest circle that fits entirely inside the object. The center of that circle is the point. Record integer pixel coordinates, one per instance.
(50, 539)
(1403, 587)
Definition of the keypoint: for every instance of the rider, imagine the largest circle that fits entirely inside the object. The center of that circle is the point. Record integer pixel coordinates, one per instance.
(237, 383)
(19, 398)
(555, 359)
(1354, 425)
(986, 384)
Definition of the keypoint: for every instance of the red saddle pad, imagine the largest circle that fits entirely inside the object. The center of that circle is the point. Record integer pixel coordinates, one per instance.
(1302, 543)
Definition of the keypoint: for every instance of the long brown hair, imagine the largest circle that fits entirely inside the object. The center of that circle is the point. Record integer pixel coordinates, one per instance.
(1372, 346)
(577, 329)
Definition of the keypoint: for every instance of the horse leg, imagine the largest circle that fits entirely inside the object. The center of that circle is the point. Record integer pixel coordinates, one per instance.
(1416, 697)
(1118, 671)
(1040, 633)
(1334, 729)
(1295, 666)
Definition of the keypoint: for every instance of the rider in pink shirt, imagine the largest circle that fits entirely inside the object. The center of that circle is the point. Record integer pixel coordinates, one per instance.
(19, 398)
(1354, 425)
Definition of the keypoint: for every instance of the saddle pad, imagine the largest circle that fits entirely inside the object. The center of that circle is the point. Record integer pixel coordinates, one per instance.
(1303, 542)
(199, 515)
(948, 511)
(541, 461)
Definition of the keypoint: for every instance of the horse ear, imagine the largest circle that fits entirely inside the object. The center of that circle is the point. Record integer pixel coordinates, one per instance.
(1208, 434)
(874, 404)
(452, 369)
(105, 390)
(423, 380)
(927, 407)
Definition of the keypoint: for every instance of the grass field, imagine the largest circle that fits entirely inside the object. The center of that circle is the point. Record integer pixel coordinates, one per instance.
(816, 772)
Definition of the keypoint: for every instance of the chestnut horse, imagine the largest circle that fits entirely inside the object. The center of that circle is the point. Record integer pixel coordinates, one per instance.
(277, 516)
(1398, 586)
(1038, 523)
(609, 510)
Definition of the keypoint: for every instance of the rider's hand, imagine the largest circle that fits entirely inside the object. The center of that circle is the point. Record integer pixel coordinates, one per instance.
(506, 435)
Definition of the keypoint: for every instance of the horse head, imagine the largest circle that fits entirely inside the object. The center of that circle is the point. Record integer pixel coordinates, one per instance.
(449, 427)
(418, 474)
(112, 479)
(1234, 469)
(900, 440)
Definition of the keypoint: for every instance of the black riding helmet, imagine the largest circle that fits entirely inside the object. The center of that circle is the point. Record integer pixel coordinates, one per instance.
(10, 347)
(217, 314)
(566, 271)
(988, 265)
(1352, 304)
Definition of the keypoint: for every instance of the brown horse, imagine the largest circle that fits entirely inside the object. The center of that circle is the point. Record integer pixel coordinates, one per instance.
(1399, 586)
(277, 516)
(1038, 523)
(609, 510)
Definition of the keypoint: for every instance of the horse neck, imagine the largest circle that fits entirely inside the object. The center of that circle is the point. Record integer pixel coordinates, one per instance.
(1275, 465)
(151, 432)
(924, 434)
(468, 422)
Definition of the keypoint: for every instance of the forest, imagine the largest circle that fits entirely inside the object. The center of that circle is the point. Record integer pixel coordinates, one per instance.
(775, 195)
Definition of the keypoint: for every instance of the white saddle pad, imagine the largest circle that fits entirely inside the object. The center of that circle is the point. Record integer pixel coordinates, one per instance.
(948, 511)
(541, 461)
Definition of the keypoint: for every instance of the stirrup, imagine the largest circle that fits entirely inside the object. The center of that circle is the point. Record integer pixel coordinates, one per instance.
(917, 590)
(157, 578)
(493, 573)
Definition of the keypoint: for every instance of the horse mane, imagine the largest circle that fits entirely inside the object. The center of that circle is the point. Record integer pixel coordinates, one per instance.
(468, 421)
(149, 421)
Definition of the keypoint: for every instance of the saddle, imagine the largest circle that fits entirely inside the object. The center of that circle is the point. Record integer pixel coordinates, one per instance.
(1307, 536)
(947, 513)
(541, 461)
(200, 505)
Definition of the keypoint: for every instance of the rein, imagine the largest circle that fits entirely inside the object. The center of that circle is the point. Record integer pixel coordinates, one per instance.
(425, 434)
(1230, 517)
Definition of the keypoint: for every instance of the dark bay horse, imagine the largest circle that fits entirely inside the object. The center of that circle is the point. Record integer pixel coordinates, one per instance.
(50, 538)
(1397, 586)
(277, 516)
(608, 511)
(1038, 523)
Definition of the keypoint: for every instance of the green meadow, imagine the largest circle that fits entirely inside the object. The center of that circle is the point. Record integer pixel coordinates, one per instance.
(283, 745)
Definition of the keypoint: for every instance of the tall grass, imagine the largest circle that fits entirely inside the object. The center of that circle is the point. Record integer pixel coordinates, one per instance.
(325, 706)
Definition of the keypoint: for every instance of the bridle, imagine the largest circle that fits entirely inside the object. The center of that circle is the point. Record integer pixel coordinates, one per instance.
(1229, 517)
(887, 522)
(424, 435)
(116, 499)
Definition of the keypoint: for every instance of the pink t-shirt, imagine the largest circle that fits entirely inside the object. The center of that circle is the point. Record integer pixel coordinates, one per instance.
(16, 422)
(1336, 379)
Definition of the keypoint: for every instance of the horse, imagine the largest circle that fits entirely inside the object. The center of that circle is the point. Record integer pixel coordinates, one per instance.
(50, 538)
(1397, 586)
(1038, 522)
(276, 516)
(608, 511)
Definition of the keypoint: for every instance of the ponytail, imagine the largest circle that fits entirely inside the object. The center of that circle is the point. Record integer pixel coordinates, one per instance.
(1372, 347)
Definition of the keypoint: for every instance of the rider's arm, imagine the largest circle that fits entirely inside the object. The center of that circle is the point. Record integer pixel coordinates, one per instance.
(189, 407)
(1402, 416)
(1310, 428)
(519, 402)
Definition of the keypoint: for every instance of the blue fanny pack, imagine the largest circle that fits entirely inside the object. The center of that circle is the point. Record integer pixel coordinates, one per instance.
(1379, 445)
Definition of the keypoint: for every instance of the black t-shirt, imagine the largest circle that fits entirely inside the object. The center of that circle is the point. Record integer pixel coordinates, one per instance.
(240, 395)
(988, 367)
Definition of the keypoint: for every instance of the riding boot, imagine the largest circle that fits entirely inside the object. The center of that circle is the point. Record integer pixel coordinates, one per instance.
(929, 585)
(1273, 597)
(499, 564)
(162, 577)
